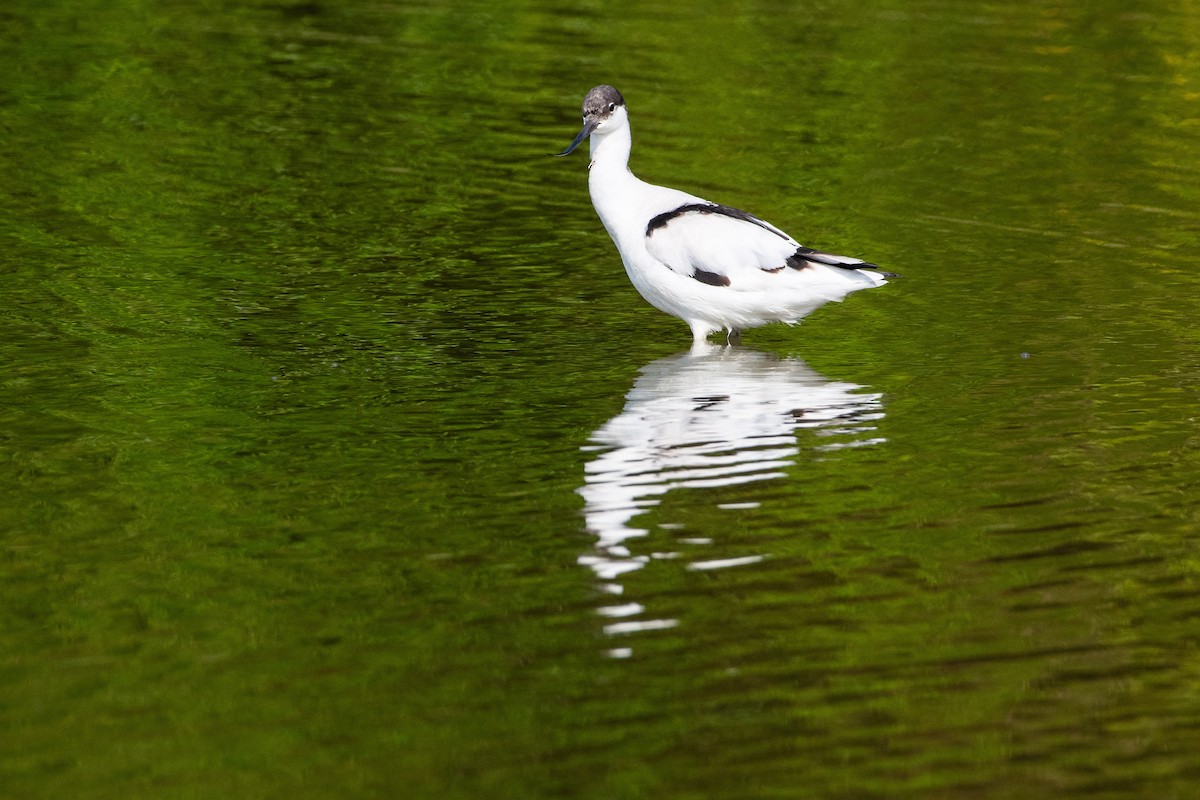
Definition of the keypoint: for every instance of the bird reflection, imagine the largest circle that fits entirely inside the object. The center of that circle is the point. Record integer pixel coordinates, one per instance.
(715, 416)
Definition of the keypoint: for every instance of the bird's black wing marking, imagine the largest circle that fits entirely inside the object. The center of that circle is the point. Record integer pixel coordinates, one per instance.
(806, 256)
(662, 219)
(711, 278)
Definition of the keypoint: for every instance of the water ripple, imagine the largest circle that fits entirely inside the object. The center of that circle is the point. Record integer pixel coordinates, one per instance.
(710, 418)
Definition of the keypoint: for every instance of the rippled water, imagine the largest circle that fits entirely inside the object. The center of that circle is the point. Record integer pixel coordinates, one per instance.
(341, 460)
(713, 418)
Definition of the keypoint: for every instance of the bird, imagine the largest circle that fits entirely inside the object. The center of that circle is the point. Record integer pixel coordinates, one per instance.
(713, 266)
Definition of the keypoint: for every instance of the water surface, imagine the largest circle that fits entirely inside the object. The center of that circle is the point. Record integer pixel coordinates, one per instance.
(341, 460)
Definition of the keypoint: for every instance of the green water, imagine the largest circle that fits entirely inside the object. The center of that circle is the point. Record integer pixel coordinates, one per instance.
(340, 460)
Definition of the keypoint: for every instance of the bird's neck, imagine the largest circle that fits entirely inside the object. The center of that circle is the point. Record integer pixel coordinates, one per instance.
(614, 188)
(611, 151)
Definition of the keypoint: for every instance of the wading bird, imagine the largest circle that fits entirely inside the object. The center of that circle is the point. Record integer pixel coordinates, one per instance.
(714, 267)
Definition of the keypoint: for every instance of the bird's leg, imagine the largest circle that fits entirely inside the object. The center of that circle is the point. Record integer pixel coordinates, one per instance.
(733, 336)
(700, 331)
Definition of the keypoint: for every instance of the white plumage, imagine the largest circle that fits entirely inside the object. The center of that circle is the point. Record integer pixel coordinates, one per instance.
(714, 267)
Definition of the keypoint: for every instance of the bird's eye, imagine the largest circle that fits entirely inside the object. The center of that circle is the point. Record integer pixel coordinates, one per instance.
(612, 106)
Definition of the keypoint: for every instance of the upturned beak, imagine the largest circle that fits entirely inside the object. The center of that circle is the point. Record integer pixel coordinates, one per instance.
(589, 125)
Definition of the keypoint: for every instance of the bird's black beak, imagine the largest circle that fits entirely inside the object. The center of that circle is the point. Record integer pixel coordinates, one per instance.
(589, 125)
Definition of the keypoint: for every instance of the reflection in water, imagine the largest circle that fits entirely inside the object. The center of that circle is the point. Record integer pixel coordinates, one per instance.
(715, 416)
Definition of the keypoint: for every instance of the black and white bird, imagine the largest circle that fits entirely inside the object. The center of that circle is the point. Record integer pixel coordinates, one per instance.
(714, 267)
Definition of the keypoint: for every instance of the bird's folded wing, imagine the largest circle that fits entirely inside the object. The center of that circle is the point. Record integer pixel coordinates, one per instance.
(719, 245)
